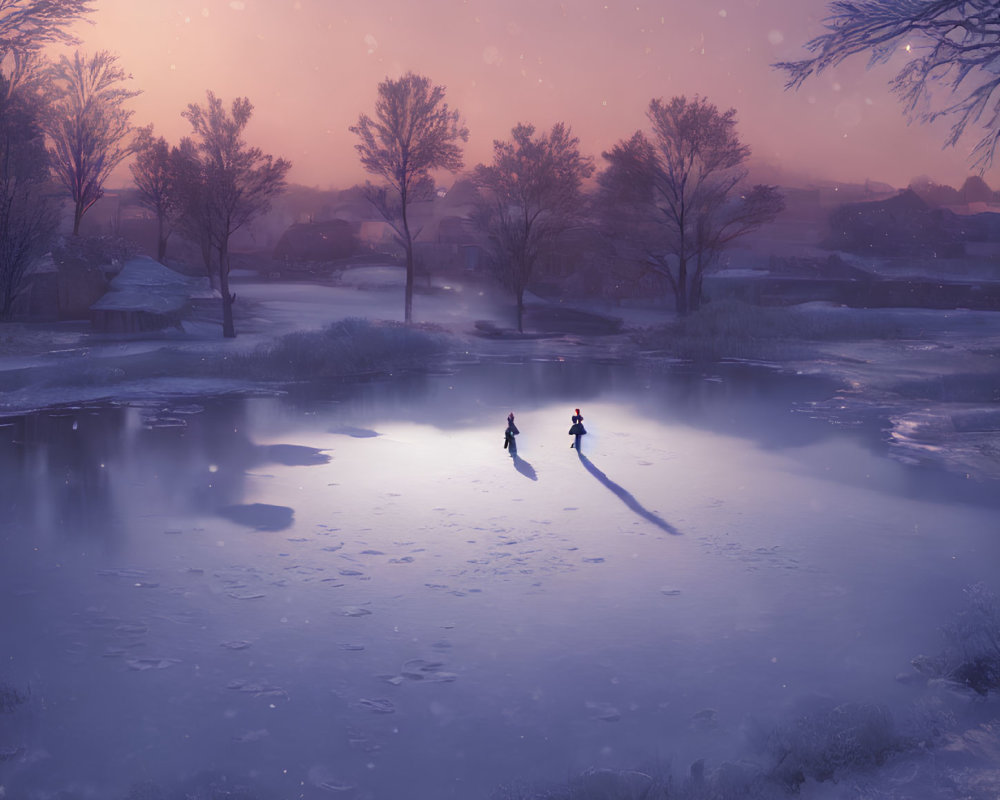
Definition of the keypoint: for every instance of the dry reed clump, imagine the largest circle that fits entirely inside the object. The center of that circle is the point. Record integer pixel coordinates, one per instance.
(348, 348)
(971, 657)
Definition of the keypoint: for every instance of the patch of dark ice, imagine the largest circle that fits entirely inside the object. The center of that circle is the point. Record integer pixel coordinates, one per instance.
(605, 712)
(378, 705)
(256, 688)
(143, 664)
(251, 736)
(355, 433)
(259, 516)
(293, 455)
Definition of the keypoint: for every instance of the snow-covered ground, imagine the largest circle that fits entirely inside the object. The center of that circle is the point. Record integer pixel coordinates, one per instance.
(355, 591)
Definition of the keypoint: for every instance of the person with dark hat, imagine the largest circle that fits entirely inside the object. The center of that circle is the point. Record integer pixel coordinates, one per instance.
(509, 442)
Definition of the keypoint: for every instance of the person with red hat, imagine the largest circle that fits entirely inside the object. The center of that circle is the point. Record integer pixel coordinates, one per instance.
(577, 430)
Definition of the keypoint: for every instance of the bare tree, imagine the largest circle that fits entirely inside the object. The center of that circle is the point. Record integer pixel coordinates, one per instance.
(29, 207)
(87, 125)
(413, 132)
(26, 26)
(951, 43)
(154, 178)
(678, 193)
(193, 219)
(531, 193)
(239, 181)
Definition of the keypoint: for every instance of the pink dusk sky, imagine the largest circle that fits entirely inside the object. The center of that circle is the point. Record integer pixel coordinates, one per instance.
(310, 67)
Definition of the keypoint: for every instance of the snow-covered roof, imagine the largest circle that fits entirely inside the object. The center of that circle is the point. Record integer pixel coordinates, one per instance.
(147, 285)
(145, 272)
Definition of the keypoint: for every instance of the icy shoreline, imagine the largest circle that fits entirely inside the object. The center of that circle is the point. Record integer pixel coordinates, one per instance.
(934, 390)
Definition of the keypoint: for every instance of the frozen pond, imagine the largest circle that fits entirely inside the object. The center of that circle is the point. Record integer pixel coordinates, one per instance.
(360, 594)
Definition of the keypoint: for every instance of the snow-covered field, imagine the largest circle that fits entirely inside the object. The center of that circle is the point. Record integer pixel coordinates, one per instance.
(357, 592)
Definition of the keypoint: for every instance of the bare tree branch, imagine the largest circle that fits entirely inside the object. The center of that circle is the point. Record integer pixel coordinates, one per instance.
(87, 125)
(954, 44)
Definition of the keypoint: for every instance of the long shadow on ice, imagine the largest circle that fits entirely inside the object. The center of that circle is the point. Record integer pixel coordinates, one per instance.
(524, 467)
(626, 497)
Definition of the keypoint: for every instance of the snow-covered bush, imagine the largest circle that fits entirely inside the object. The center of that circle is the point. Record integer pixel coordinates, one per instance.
(731, 329)
(343, 349)
(971, 657)
(729, 781)
(88, 252)
(826, 743)
(10, 698)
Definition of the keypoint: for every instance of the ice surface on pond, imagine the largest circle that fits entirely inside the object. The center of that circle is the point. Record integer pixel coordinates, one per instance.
(406, 615)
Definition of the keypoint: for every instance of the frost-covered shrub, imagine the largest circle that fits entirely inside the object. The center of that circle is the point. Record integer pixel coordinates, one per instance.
(214, 786)
(145, 790)
(731, 329)
(94, 251)
(10, 699)
(515, 790)
(730, 781)
(610, 784)
(346, 348)
(827, 743)
(971, 657)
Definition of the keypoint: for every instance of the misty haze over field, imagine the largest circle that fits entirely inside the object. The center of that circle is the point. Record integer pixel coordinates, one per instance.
(465, 400)
(311, 67)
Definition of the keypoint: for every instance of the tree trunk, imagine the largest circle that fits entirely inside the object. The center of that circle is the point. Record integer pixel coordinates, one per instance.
(520, 310)
(408, 297)
(161, 242)
(228, 329)
(77, 217)
(206, 255)
(695, 302)
(682, 290)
